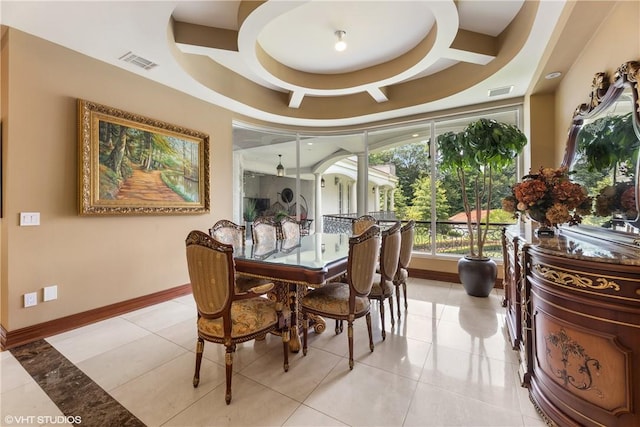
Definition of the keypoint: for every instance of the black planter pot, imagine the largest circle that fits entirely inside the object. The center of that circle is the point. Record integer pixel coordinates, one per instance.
(478, 275)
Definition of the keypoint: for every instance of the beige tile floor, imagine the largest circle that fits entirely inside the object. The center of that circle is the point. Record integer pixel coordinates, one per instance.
(446, 363)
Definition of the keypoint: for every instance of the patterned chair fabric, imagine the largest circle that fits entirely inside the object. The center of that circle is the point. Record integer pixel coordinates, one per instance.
(228, 232)
(225, 317)
(233, 234)
(382, 283)
(290, 228)
(347, 301)
(264, 231)
(362, 223)
(407, 233)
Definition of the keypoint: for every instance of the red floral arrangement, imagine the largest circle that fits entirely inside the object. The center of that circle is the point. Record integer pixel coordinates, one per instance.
(549, 197)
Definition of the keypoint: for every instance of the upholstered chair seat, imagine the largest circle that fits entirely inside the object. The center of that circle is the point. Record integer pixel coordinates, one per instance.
(402, 275)
(382, 288)
(333, 298)
(248, 317)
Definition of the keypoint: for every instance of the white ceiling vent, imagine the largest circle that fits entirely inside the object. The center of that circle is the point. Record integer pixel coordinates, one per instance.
(138, 60)
(500, 91)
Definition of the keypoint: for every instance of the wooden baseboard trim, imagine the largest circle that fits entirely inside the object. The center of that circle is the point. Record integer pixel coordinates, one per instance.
(442, 276)
(9, 339)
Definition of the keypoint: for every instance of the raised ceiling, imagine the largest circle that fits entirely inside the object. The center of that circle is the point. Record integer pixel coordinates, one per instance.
(274, 61)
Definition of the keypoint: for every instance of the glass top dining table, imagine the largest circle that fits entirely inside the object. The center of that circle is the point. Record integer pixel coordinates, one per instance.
(309, 260)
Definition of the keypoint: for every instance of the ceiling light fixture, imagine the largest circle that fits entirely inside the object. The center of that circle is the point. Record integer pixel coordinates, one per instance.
(280, 168)
(553, 75)
(340, 45)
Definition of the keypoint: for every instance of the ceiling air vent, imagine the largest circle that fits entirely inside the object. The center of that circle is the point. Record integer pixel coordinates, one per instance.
(138, 61)
(500, 91)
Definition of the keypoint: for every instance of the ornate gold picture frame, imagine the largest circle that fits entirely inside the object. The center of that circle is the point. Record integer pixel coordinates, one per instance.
(134, 165)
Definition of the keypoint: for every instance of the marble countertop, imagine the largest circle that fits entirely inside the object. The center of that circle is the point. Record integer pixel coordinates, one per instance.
(583, 244)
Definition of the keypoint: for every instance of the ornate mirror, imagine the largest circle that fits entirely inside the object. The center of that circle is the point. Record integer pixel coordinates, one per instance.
(603, 152)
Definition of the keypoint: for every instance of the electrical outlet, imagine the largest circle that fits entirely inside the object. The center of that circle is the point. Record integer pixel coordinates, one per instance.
(49, 293)
(29, 219)
(30, 299)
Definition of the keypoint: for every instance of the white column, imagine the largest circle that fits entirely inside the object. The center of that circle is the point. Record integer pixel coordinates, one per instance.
(385, 199)
(376, 199)
(318, 204)
(363, 177)
(392, 203)
(237, 182)
(353, 193)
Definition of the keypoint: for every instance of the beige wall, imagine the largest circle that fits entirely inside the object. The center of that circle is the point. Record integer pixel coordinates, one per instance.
(615, 42)
(95, 261)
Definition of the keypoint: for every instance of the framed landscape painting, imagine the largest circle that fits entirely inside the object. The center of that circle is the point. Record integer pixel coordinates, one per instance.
(134, 165)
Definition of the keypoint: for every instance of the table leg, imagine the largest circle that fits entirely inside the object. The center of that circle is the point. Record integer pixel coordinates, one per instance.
(295, 294)
(319, 324)
(291, 294)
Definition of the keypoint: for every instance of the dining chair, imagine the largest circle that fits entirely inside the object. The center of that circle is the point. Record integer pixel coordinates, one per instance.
(224, 316)
(382, 288)
(347, 301)
(290, 227)
(230, 233)
(362, 223)
(264, 231)
(407, 233)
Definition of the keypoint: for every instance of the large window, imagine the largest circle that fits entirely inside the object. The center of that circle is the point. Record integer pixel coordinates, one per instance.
(403, 180)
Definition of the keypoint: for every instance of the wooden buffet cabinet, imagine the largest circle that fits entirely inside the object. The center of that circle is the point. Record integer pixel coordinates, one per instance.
(573, 314)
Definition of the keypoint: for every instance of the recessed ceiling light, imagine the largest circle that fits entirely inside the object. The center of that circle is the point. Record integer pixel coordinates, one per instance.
(415, 135)
(553, 75)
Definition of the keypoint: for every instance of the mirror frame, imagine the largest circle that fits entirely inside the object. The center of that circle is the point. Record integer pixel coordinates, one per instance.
(603, 95)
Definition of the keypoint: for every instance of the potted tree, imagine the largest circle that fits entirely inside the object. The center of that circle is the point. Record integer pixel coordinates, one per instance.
(474, 155)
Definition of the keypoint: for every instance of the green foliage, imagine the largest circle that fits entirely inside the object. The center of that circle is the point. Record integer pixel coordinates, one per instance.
(109, 183)
(411, 162)
(250, 210)
(421, 209)
(608, 143)
(484, 147)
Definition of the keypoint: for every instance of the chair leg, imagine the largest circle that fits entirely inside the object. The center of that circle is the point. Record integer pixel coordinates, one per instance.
(350, 335)
(368, 318)
(384, 332)
(199, 350)
(404, 288)
(397, 286)
(339, 327)
(305, 331)
(228, 361)
(393, 322)
(286, 335)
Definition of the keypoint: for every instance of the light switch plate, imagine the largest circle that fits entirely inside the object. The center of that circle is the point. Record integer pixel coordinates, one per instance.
(49, 293)
(30, 299)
